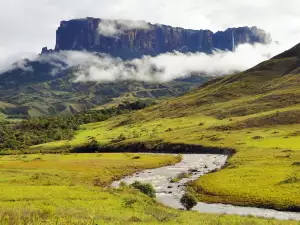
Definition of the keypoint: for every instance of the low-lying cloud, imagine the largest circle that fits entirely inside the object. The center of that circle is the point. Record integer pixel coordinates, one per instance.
(163, 68)
(16, 61)
(170, 66)
(113, 28)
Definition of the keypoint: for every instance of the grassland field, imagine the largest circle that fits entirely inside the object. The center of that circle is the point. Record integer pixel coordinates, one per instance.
(74, 189)
(263, 173)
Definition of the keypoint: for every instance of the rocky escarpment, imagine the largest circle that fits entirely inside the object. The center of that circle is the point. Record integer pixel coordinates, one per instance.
(132, 41)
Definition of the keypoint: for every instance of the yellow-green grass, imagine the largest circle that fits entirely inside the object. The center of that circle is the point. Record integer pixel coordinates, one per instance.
(74, 169)
(80, 205)
(2, 116)
(260, 174)
(72, 189)
(5, 105)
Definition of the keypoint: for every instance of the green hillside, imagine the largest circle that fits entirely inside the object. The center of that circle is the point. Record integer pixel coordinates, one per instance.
(256, 113)
(46, 89)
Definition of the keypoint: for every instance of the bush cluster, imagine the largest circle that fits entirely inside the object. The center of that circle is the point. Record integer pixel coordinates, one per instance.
(147, 189)
(188, 201)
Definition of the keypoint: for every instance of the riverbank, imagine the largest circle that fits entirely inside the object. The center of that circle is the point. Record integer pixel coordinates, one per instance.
(169, 193)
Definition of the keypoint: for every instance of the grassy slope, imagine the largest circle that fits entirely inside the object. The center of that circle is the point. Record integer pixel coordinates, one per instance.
(69, 189)
(2, 116)
(255, 112)
(87, 97)
(3, 106)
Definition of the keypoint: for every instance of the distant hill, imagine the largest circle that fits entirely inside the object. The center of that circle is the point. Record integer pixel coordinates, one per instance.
(36, 92)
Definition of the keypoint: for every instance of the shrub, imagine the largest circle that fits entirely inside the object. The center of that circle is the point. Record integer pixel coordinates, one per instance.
(97, 182)
(129, 202)
(119, 139)
(188, 201)
(136, 134)
(137, 105)
(135, 219)
(91, 146)
(147, 189)
(296, 164)
(257, 137)
(290, 180)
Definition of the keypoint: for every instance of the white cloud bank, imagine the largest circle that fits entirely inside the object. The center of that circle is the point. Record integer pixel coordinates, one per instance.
(162, 68)
(13, 61)
(170, 66)
(112, 28)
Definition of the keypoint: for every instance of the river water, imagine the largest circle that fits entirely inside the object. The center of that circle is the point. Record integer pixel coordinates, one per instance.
(197, 165)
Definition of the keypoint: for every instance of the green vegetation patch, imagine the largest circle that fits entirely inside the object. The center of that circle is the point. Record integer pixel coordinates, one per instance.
(18, 135)
(179, 177)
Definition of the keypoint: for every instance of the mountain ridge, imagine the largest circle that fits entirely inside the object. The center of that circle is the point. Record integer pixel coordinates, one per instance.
(83, 34)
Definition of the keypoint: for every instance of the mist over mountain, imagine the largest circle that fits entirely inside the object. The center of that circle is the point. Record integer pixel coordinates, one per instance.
(97, 61)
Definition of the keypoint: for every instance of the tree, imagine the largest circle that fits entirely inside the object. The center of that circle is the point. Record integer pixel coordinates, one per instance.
(188, 201)
(147, 189)
(58, 135)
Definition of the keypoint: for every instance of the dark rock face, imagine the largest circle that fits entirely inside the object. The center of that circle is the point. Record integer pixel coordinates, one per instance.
(83, 34)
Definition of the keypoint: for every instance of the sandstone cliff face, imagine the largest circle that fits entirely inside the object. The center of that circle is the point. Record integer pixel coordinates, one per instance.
(83, 34)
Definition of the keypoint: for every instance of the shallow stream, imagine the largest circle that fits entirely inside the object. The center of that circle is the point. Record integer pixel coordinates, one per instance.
(197, 165)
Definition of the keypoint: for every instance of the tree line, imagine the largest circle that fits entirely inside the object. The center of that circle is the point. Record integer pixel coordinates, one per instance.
(34, 131)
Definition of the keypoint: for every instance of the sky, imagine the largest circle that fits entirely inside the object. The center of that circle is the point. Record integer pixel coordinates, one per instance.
(27, 26)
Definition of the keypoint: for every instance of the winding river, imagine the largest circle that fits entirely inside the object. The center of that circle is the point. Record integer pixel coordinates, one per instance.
(197, 164)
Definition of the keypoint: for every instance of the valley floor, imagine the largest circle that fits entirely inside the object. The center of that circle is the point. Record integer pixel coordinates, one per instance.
(72, 189)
